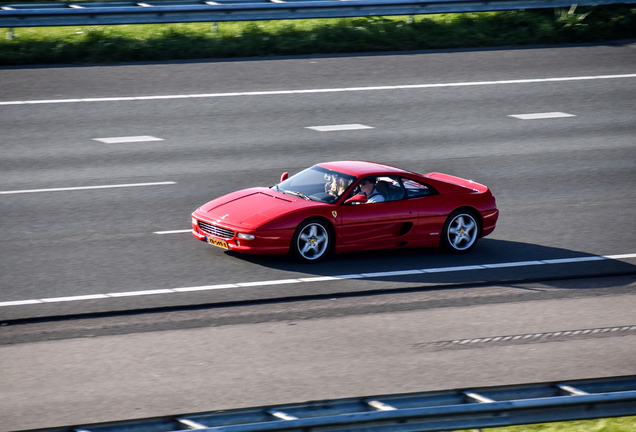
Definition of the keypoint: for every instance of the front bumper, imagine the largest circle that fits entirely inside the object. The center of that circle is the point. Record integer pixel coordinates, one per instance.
(264, 242)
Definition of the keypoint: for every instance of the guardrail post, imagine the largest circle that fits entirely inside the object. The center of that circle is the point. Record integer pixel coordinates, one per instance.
(282, 415)
(191, 424)
(215, 27)
(10, 34)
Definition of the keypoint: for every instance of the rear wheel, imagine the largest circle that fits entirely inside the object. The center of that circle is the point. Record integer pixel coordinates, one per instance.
(461, 232)
(311, 241)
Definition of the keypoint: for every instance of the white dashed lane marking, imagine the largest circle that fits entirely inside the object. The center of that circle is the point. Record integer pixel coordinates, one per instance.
(130, 139)
(343, 127)
(86, 188)
(540, 116)
(528, 338)
(313, 279)
(315, 91)
(173, 232)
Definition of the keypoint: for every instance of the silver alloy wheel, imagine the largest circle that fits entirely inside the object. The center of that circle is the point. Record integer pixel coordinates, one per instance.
(312, 241)
(462, 232)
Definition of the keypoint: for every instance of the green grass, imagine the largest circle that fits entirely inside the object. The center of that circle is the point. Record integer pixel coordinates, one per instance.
(155, 42)
(619, 424)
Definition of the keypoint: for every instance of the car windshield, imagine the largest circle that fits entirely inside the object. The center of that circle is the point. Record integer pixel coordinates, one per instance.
(316, 184)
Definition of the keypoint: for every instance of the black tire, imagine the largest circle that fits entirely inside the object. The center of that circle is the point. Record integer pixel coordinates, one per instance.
(461, 231)
(312, 241)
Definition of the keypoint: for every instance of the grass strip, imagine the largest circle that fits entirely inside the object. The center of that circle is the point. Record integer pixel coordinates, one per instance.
(619, 424)
(159, 42)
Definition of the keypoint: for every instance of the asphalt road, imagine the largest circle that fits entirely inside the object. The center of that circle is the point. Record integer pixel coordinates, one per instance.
(564, 187)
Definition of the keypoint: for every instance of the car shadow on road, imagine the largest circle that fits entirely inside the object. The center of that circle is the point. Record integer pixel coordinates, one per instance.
(491, 261)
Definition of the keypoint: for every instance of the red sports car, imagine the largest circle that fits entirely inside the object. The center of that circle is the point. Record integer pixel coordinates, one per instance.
(349, 206)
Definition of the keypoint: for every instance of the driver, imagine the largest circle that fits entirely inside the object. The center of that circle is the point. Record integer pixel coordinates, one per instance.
(367, 187)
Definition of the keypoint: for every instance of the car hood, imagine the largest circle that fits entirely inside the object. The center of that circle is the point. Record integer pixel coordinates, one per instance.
(250, 208)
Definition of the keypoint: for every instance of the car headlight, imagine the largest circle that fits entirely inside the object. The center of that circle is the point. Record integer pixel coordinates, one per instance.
(195, 222)
(245, 236)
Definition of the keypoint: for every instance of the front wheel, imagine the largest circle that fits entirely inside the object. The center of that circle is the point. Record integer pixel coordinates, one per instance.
(311, 241)
(461, 232)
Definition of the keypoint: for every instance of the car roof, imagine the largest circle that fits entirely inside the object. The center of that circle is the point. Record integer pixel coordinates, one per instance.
(362, 168)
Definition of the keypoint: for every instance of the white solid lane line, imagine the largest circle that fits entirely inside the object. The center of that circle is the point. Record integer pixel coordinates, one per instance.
(140, 293)
(86, 188)
(342, 127)
(130, 139)
(539, 116)
(20, 302)
(312, 91)
(316, 279)
(74, 298)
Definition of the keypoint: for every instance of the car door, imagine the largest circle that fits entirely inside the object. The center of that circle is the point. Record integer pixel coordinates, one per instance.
(377, 223)
(431, 207)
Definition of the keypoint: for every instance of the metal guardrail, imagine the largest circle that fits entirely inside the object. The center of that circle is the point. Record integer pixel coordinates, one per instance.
(430, 411)
(166, 11)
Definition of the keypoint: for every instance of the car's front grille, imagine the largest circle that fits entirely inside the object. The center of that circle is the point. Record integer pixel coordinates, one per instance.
(215, 230)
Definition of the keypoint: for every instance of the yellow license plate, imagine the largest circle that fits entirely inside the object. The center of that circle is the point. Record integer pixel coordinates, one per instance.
(219, 243)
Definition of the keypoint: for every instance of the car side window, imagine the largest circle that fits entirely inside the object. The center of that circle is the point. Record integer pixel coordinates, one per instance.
(383, 189)
(390, 187)
(416, 189)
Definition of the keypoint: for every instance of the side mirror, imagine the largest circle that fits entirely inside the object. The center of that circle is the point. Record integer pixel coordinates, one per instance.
(357, 199)
(284, 177)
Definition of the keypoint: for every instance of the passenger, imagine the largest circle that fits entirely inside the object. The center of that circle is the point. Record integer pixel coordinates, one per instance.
(367, 187)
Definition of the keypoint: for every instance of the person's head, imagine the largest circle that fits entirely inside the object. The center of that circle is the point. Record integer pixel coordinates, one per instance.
(367, 185)
(341, 185)
(337, 186)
